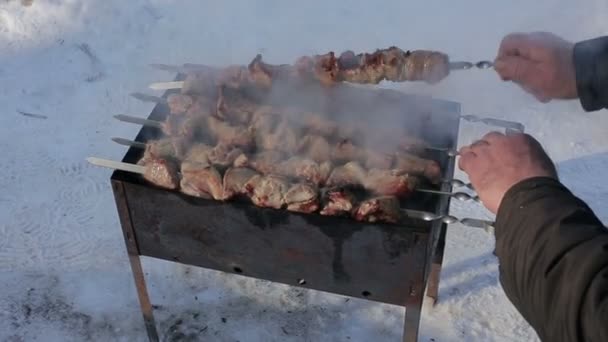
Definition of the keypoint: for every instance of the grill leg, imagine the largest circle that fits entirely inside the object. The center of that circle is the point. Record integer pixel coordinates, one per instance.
(144, 299)
(433, 288)
(413, 310)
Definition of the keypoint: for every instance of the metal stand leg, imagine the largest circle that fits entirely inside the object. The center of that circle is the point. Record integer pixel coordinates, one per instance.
(413, 310)
(433, 287)
(144, 299)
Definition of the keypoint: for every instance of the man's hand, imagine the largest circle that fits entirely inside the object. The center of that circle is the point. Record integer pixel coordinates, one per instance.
(541, 63)
(497, 162)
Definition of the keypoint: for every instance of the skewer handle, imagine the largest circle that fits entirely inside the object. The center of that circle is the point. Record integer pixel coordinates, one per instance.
(148, 98)
(117, 165)
(130, 143)
(138, 121)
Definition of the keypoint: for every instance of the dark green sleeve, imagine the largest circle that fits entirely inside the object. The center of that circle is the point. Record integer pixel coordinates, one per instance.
(591, 65)
(553, 254)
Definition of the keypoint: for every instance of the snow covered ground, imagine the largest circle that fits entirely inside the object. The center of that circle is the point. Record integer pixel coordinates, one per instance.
(64, 272)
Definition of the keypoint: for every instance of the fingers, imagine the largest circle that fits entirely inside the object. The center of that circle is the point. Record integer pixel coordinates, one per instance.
(517, 69)
(514, 44)
(469, 155)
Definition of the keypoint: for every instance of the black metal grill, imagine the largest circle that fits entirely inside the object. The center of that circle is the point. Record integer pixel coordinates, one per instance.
(379, 262)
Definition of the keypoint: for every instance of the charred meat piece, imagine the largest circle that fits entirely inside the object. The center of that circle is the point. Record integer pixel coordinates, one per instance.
(162, 172)
(267, 191)
(265, 162)
(230, 135)
(378, 209)
(315, 147)
(411, 144)
(418, 166)
(179, 103)
(223, 155)
(201, 180)
(302, 168)
(338, 201)
(183, 126)
(350, 173)
(302, 198)
(390, 182)
(316, 123)
(378, 160)
(235, 180)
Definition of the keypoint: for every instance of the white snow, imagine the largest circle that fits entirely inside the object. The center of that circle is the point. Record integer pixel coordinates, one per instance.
(64, 271)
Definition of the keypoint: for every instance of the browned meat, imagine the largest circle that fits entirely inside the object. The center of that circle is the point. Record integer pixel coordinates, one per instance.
(223, 155)
(230, 135)
(234, 106)
(161, 148)
(302, 198)
(346, 151)
(282, 138)
(302, 168)
(350, 173)
(179, 103)
(378, 209)
(267, 191)
(411, 144)
(199, 153)
(265, 162)
(235, 180)
(183, 126)
(201, 180)
(390, 182)
(418, 166)
(201, 82)
(316, 124)
(162, 172)
(338, 201)
(315, 147)
(202, 106)
(378, 160)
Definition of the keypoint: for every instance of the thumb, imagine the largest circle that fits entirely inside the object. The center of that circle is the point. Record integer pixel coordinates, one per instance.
(518, 69)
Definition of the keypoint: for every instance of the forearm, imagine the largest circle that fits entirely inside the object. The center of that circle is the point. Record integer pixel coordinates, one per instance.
(591, 65)
(553, 254)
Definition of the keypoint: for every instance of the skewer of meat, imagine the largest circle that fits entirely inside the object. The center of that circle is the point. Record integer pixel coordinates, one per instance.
(392, 64)
(160, 172)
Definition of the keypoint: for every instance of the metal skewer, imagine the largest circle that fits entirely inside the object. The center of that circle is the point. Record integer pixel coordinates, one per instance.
(458, 183)
(138, 121)
(148, 98)
(486, 225)
(117, 165)
(130, 143)
(461, 196)
(167, 85)
(469, 65)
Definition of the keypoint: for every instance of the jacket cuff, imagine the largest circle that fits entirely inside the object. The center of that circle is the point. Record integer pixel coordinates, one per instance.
(510, 201)
(591, 66)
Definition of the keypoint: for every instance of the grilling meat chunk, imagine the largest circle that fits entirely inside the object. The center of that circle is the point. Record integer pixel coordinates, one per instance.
(234, 106)
(302, 168)
(230, 135)
(378, 209)
(199, 153)
(350, 173)
(162, 148)
(418, 166)
(346, 151)
(223, 155)
(235, 180)
(267, 191)
(179, 103)
(201, 180)
(315, 147)
(302, 198)
(265, 162)
(390, 182)
(338, 201)
(162, 172)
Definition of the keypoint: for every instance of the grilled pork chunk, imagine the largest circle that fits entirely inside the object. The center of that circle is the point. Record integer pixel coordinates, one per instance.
(223, 155)
(418, 166)
(162, 172)
(315, 147)
(179, 103)
(265, 162)
(338, 201)
(302, 198)
(350, 173)
(302, 168)
(230, 135)
(267, 191)
(390, 182)
(378, 209)
(235, 180)
(201, 180)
